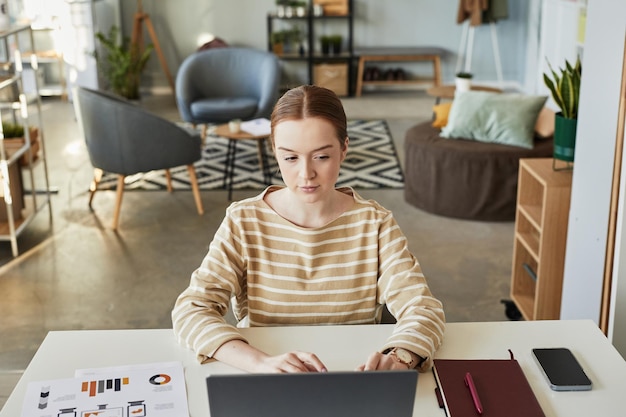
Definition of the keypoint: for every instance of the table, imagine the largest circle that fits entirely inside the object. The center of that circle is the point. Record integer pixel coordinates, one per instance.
(398, 54)
(447, 91)
(231, 151)
(345, 347)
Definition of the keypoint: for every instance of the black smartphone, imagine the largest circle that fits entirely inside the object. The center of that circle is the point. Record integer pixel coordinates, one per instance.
(561, 369)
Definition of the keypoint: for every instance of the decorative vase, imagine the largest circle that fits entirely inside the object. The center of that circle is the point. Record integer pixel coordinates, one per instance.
(564, 138)
(463, 84)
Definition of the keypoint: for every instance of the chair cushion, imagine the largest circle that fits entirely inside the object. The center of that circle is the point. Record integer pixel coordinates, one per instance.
(224, 109)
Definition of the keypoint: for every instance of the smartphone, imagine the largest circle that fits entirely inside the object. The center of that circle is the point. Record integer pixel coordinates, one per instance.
(561, 369)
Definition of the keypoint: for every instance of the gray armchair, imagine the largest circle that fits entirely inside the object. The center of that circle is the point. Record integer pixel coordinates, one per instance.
(124, 139)
(214, 86)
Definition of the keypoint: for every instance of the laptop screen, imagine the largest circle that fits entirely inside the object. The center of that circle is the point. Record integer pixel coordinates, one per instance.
(328, 394)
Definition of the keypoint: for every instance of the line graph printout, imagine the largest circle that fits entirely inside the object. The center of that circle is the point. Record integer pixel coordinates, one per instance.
(147, 390)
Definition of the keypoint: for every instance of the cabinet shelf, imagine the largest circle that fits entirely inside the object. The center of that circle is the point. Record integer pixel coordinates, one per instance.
(313, 57)
(20, 206)
(543, 197)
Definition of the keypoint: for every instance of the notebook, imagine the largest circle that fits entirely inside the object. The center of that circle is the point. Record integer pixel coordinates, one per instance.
(500, 384)
(327, 394)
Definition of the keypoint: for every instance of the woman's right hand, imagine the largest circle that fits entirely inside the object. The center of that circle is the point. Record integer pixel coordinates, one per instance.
(243, 356)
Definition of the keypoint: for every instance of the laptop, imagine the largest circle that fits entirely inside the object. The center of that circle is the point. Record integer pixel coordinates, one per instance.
(327, 394)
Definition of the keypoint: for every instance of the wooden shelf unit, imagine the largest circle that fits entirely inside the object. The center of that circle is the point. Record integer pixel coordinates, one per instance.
(543, 201)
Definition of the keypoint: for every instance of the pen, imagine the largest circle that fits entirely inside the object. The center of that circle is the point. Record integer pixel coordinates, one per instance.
(469, 381)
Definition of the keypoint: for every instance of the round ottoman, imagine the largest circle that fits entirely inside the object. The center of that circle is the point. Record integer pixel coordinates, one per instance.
(463, 178)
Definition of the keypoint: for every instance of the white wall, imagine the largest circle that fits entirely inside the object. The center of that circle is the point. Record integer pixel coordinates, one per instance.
(181, 24)
(595, 145)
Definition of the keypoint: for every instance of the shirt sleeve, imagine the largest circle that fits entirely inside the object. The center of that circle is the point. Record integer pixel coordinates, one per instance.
(403, 287)
(198, 314)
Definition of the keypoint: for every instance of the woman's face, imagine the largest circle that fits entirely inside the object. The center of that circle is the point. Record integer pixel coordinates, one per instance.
(309, 156)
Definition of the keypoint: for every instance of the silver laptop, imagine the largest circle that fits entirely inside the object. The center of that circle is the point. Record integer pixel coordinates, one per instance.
(328, 394)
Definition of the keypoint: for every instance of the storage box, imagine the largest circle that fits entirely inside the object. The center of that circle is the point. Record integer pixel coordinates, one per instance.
(334, 7)
(12, 145)
(17, 194)
(332, 76)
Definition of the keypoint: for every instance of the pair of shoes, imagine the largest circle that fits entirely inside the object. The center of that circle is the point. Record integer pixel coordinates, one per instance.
(371, 74)
(396, 74)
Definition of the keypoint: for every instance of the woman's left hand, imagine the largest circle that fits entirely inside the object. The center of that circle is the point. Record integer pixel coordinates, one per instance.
(380, 362)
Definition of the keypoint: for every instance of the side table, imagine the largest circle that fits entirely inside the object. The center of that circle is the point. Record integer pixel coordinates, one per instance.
(231, 152)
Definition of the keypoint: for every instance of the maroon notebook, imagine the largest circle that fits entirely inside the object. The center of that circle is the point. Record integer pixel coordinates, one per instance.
(501, 385)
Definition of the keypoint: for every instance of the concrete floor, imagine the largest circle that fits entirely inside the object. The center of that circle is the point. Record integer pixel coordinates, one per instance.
(79, 274)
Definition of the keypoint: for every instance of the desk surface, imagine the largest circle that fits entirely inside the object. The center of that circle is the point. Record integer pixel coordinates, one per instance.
(345, 347)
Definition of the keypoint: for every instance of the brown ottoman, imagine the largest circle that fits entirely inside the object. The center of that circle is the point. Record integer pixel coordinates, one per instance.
(462, 178)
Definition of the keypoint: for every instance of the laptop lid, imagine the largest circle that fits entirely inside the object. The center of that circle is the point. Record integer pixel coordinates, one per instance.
(327, 394)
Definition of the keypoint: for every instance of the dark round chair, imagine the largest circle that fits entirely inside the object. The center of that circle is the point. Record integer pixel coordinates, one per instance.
(463, 178)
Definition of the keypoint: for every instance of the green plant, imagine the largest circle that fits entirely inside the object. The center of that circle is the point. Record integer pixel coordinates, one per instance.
(12, 130)
(464, 75)
(123, 64)
(565, 88)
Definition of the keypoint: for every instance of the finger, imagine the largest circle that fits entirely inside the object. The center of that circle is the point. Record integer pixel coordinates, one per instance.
(312, 362)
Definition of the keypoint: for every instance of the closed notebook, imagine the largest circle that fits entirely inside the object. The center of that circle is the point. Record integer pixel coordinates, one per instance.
(501, 385)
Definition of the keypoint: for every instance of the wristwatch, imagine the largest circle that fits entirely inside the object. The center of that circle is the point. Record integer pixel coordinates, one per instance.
(402, 356)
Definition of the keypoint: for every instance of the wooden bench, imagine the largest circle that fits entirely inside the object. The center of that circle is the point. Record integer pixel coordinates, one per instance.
(398, 54)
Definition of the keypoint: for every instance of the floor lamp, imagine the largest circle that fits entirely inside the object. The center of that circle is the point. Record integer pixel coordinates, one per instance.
(137, 39)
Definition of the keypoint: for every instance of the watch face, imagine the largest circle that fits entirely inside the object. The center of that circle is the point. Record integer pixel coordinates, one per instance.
(404, 356)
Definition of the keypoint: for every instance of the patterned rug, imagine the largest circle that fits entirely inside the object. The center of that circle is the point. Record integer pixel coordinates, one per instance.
(372, 162)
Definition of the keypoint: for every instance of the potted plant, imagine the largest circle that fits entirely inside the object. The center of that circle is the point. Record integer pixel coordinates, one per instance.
(565, 91)
(463, 81)
(14, 140)
(123, 63)
(325, 43)
(335, 44)
(277, 39)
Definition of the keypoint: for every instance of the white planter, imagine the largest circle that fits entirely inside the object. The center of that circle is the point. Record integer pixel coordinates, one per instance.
(463, 84)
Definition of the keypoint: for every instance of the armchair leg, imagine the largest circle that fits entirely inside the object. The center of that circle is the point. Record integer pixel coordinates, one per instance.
(118, 201)
(168, 180)
(196, 190)
(93, 187)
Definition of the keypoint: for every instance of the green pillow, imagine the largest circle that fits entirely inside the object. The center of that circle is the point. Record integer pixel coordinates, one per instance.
(508, 119)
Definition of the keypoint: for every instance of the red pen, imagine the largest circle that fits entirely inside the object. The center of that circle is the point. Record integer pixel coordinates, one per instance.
(469, 381)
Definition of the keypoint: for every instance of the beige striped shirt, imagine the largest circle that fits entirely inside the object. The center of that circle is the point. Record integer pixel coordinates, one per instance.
(278, 273)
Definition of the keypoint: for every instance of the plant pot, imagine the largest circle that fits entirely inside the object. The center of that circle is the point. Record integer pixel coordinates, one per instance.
(463, 84)
(12, 145)
(564, 138)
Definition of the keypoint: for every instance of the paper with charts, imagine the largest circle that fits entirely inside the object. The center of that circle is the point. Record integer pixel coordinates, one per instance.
(149, 390)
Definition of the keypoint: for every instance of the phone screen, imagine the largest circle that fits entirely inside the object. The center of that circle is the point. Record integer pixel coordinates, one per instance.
(562, 370)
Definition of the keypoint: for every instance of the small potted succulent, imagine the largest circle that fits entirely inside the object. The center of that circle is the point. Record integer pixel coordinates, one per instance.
(565, 90)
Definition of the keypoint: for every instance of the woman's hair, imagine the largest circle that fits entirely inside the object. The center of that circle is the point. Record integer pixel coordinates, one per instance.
(311, 101)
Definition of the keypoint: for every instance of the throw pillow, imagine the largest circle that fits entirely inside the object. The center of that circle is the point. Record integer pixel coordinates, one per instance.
(508, 119)
(441, 114)
(544, 128)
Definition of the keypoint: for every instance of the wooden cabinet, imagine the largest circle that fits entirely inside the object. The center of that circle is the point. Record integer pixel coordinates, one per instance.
(543, 201)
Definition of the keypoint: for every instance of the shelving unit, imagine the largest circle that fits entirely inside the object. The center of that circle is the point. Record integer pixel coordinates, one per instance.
(543, 201)
(313, 27)
(20, 204)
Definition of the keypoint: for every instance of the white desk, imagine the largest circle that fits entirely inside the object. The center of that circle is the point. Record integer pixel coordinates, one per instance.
(345, 347)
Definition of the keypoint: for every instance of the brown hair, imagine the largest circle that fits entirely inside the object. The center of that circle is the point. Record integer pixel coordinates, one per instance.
(311, 101)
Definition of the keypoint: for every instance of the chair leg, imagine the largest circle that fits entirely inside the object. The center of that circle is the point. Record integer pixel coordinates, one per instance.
(194, 186)
(93, 187)
(118, 201)
(168, 180)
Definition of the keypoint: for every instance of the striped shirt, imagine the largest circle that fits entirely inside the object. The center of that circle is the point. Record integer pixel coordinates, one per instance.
(276, 273)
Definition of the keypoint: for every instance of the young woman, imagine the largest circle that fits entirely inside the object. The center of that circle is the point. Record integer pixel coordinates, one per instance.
(308, 253)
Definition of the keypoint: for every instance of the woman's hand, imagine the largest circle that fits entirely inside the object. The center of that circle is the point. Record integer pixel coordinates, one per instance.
(291, 362)
(380, 362)
(243, 356)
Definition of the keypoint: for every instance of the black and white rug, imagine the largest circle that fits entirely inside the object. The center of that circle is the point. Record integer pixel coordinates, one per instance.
(372, 162)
